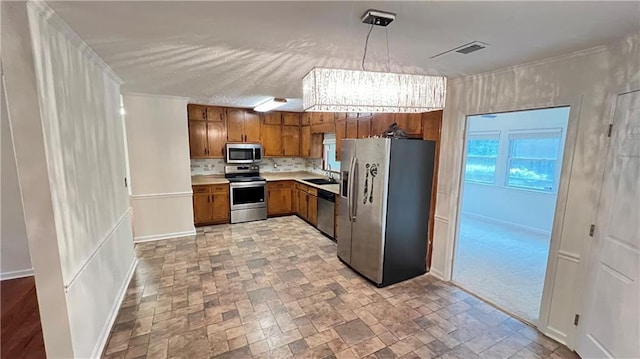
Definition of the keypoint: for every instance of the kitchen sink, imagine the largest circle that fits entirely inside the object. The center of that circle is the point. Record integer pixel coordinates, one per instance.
(320, 181)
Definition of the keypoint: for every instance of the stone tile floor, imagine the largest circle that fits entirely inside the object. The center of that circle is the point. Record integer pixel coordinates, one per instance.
(275, 289)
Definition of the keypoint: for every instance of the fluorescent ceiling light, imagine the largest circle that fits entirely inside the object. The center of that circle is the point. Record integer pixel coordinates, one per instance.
(339, 90)
(270, 104)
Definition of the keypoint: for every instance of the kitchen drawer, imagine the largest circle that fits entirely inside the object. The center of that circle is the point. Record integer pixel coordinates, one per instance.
(217, 188)
(200, 189)
(312, 191)
(279, 184)
(301, 187)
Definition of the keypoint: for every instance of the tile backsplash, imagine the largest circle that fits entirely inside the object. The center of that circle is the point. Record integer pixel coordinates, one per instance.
(293, 164)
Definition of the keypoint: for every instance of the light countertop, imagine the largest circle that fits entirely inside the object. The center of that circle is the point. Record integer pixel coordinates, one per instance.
(271, 176)
(210, 179)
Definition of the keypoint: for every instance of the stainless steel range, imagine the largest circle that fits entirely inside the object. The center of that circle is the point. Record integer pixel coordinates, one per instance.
(248, 193)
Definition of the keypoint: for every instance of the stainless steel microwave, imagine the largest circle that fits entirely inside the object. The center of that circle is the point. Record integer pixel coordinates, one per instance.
(243, 153)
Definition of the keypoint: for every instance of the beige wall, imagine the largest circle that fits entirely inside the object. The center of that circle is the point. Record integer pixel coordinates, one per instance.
(583, 80)
(14, 247)
(159, 163)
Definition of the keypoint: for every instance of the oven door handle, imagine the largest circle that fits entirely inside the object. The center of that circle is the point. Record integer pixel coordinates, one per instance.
(247, 184)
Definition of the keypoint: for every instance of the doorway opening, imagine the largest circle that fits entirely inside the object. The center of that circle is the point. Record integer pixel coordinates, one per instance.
(512, 164)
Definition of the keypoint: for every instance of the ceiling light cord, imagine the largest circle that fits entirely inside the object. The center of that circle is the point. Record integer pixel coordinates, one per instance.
(366, 43)
(386, 32)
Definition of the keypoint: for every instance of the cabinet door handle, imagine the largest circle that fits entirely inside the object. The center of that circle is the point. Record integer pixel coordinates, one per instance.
(213, 199)
(208, 198)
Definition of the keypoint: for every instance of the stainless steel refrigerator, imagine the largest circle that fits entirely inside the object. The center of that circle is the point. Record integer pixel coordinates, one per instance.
(383, 212)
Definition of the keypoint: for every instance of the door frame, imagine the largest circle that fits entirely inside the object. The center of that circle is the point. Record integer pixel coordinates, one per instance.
(575, 105)
(589, 253)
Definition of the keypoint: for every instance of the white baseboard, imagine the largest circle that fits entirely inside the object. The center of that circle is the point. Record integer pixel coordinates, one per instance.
(507, 223)
(554, 334)
(16, 274)
(436, 273)
(157, 237)
(113, 314)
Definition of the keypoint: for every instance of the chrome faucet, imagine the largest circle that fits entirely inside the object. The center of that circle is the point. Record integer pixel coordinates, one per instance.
(328, 172)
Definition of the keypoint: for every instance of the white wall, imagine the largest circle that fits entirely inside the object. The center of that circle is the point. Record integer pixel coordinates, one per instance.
(158, 146)
(68, 135)
(523, 208)
(14, 247)
(583, 80)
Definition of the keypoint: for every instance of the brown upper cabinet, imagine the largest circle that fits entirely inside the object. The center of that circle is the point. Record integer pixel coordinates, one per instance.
(341, 128)
(305, 141)
(364, 127)
(318, 118)
(242, 125)
(380, 122)
(306, 118)
(292, 133)
(322, 122)
(205, 113)
(281, 139)
(411, 123)
(351, 129)
(310, 144)
(291, 118)
(197, 112)
(272, 118)
(290, 141)
(216, 139)
(215, 114)
(198, 138)
(272, 140)
(207, 131)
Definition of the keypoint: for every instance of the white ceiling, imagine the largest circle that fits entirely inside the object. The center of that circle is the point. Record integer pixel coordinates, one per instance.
(241, 53)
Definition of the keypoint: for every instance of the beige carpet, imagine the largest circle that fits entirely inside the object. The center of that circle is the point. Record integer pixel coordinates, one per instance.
(503, 265)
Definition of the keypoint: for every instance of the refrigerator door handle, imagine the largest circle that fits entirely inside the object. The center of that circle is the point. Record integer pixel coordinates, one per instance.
(349, 180)
(352, 197)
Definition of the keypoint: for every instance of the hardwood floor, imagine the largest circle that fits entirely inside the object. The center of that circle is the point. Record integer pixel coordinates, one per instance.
(21, 335)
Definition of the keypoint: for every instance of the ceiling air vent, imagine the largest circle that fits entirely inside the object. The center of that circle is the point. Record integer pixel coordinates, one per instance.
(465, 49)
(472, 47)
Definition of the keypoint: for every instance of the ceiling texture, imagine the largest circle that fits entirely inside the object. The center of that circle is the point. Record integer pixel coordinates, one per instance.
(242, 53)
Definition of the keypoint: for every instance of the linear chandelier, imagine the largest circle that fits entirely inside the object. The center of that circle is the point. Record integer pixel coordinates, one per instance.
(338, 90)
(342, 90)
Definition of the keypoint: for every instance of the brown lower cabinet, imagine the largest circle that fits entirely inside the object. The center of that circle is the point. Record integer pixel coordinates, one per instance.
(307, 203)
(280, 198)
(211, 204)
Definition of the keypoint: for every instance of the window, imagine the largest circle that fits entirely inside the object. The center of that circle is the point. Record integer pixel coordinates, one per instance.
(482, 156)
(329, 153)
(533, 159)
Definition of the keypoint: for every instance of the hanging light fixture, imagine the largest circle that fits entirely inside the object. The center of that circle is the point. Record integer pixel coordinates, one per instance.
(341, 90)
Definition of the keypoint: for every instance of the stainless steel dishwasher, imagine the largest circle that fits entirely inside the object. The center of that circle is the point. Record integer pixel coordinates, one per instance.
(326, 212)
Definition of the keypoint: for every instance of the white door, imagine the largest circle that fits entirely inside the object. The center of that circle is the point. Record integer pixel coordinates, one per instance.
(611, 327)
